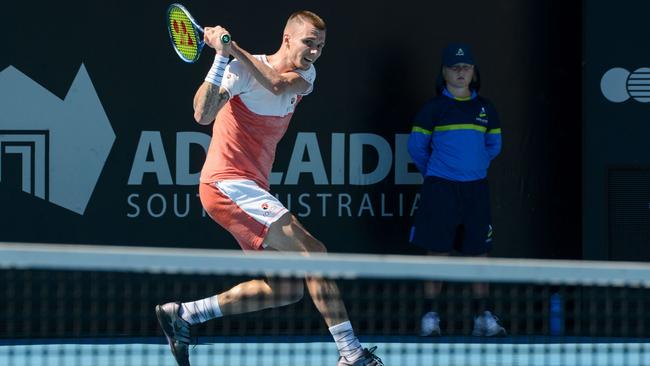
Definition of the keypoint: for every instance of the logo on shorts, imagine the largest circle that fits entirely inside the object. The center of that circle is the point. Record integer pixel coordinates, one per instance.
(293, 100)
(265, 206)
(489, 234)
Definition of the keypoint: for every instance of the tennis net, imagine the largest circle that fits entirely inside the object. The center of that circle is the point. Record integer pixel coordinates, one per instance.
(93, 305)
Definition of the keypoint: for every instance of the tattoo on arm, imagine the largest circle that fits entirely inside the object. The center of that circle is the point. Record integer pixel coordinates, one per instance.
(213, 99)
(223, 96)
(207, 102)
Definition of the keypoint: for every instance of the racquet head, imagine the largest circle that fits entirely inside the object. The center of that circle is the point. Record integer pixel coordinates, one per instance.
(186, 35)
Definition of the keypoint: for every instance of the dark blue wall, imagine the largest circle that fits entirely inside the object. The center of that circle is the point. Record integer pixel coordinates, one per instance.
(616, 154)
(378, 67)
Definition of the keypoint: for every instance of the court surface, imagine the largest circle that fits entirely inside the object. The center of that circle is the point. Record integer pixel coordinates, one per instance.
(315, 351)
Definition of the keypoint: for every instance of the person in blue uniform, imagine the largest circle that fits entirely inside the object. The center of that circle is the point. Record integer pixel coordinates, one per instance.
(454, 138)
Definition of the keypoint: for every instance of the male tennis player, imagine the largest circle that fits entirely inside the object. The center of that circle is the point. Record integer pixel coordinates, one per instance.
(253, 99)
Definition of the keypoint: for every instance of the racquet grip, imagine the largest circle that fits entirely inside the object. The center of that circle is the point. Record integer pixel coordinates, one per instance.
(225, 39)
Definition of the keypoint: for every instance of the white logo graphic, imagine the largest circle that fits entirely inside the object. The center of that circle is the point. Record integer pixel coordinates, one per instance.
(460, 52)
(62, 144)
(619, 85)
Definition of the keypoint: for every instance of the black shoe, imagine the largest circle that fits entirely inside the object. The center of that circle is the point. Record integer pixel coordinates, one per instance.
(176, 330)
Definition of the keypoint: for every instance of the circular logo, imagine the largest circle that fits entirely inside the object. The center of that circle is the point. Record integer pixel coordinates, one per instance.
(619, 85)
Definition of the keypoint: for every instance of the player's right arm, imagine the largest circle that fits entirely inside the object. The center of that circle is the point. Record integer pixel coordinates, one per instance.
(210, 97)
(208, 100)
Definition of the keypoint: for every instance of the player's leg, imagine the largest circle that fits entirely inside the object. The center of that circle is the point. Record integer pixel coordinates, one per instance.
(245, 297)
(434, 229)
(478, 241)
(176, 318)
(287, 234)
(246, 211)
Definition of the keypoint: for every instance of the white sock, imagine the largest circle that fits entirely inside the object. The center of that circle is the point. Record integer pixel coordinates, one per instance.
(346, 342)
(201, 310)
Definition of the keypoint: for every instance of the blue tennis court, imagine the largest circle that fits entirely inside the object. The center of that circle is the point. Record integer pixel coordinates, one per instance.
(520, 351)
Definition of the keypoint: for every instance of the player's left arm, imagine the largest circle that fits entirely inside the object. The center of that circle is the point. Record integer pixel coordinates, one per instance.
(493, 133)
(277, 83)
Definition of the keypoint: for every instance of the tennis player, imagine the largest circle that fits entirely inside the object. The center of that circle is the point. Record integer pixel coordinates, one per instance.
(253, 99)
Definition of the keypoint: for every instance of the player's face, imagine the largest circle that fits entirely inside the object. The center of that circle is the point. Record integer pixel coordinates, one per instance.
(306, 45)
(459, 75)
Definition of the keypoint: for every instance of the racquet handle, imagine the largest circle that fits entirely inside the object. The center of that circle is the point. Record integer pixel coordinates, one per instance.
(225, 39)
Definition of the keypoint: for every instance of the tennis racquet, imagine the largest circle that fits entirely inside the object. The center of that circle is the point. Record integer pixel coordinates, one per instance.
(186, 35)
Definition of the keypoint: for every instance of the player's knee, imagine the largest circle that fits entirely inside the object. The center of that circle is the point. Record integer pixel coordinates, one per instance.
(287, 291)
(289, 297)
(293, 291)
(308, 243)
(313, 245)
(295, 295)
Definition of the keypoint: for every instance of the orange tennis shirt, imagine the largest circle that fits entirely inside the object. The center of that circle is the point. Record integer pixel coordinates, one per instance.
(249, 126)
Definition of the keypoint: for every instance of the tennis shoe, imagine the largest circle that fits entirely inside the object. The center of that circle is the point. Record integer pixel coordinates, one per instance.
(487, 325)
(176, 330)
(368, 359)
(430, 325)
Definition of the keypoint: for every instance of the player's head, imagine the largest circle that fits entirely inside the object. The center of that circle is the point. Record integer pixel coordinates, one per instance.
(458, 69)
(304, 38)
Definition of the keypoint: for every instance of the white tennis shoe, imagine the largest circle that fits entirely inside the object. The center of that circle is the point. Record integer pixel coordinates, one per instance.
(487, 325)
(368, 359)
(430, 325)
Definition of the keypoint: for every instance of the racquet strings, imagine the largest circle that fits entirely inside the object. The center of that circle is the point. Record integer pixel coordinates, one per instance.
(183, 34)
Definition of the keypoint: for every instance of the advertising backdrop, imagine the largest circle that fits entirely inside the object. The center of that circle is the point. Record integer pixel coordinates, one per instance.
(98, 144)
(616, 157)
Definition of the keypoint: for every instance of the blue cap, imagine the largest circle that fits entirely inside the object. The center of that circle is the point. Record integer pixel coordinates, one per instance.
(457, 53)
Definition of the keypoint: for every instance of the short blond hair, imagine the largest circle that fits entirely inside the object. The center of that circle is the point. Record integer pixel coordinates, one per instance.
(305, 15)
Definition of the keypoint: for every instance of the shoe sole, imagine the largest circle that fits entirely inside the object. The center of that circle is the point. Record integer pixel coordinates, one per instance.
(432, 334)
(371, 363)
(502, 332)
(165, 324)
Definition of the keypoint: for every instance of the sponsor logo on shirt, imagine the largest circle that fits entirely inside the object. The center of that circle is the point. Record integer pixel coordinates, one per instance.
(482, 116)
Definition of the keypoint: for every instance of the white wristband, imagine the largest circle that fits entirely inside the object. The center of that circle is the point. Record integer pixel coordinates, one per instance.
(217, 70)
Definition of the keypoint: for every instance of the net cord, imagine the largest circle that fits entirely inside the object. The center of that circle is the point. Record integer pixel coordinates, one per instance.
(333, 265)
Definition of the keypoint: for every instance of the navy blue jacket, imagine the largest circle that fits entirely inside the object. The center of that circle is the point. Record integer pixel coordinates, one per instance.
(455, 138)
